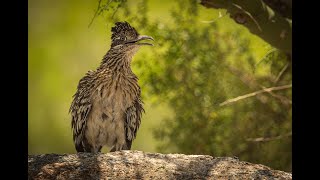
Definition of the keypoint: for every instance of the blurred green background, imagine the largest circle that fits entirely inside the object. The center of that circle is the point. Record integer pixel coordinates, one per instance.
(200, 59)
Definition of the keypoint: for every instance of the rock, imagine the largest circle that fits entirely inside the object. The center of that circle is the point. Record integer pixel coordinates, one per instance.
(143, 165)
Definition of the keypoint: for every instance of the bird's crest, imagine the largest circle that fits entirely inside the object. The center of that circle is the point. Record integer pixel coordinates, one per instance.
(122, 31)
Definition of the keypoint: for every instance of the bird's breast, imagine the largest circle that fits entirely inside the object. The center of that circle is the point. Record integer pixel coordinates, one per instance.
(119, 93)
(110, 102)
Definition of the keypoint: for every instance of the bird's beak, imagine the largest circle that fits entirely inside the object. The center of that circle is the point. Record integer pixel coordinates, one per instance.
(140, 38)
(144, 37)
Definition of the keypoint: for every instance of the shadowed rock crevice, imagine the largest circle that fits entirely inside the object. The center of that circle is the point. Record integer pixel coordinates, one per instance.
(141, 165)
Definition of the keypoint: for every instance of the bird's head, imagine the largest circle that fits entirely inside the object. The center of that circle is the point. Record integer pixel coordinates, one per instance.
(126, 38)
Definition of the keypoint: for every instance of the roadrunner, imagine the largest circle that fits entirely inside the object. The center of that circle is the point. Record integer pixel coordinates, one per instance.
(107, 107)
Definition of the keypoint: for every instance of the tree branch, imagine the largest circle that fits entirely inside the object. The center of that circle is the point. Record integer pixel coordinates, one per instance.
(248, 80)
(95, 14)
(260, 19)
(281, 72)
(254, 94)
(282, 99)
(266, 139)
(284, 7)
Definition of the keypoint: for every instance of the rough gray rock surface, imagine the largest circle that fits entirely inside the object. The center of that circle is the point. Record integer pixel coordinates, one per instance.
(142, 165)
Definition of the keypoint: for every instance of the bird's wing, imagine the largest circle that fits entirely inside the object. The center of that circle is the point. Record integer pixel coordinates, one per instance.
(133, 120)
(80, 109)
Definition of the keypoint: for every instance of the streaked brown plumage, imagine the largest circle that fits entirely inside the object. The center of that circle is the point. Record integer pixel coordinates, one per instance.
(107, 107)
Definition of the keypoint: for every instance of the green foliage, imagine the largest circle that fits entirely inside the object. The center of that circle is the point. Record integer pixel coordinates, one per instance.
(194, 67)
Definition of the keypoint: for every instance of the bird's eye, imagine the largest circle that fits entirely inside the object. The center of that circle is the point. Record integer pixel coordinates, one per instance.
(123, 38)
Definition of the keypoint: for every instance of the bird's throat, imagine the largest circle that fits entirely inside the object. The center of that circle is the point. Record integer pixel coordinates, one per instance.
(117, 61)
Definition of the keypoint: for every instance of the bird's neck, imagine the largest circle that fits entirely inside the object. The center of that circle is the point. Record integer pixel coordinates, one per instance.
(117, 62)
